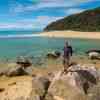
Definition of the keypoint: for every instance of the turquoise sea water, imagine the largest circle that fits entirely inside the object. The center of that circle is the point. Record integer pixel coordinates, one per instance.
(10, 48)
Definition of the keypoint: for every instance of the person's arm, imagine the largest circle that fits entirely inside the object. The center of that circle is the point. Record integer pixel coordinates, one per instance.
(71, 50)
(63, 52)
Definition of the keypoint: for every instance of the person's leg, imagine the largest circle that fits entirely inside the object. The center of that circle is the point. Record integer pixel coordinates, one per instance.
(66, 64)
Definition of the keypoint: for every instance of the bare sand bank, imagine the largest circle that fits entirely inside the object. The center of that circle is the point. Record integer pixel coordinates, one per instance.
(72, 34)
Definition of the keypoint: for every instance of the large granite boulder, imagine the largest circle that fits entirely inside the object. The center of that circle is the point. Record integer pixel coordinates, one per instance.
(13, 71)
(73, 85)
(94, 93)
(20, 90)
(16, 71)
(41, 85)
(79, 83)
(27, 88)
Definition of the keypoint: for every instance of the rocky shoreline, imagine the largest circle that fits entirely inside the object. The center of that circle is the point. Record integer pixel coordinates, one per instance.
(82, 82)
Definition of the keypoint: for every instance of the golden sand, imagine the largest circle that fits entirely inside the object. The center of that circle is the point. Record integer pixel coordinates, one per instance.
(72, 34)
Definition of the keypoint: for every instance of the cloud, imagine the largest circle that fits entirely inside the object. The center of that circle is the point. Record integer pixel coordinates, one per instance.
(16, 26)
(38, 23)
(41, 4)
(73, 11)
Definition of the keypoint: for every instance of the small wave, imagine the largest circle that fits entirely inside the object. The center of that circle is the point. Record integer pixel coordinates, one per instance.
(21, 36)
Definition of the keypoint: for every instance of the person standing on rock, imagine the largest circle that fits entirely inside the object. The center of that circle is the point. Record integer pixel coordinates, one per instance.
(67, 53)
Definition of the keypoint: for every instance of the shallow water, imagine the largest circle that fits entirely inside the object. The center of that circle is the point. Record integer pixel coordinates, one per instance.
(10, 48)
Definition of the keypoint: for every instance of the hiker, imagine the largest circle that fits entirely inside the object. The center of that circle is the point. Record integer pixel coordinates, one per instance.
(67, 55)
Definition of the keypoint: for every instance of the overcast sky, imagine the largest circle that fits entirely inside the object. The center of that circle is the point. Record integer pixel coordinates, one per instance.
(36, 14)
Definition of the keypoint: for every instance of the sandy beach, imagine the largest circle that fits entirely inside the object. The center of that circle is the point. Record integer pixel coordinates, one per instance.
(72, 34)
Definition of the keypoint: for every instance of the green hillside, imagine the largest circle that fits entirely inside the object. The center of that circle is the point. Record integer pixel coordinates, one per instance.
(86, 21)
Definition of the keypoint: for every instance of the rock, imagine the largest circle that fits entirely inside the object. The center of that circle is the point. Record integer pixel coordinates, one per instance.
(3, 71)
(42, 85)
(24, 62)
(93, 54)
(45, 82)
(79, 83)
(22, 90)
(88, 75)
(53, 55)
(2, 89)
(16, 71)
(62, 90)
(74, 85)
(51, 75)
(94, 93)
(93, 50)
(13, 71)
(29, 70)
(26, 88)
(1, 74)
(58, 98)
(57, 53)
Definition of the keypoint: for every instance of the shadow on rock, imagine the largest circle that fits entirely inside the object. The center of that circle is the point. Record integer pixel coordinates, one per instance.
(88, 76)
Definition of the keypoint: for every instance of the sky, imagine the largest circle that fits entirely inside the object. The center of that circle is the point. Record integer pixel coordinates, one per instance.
(36, 14)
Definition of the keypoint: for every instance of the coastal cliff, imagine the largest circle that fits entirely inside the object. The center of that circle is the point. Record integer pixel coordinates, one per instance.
(85, 21)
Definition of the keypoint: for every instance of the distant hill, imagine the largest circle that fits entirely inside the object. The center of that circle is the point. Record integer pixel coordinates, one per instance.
(86, 21)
